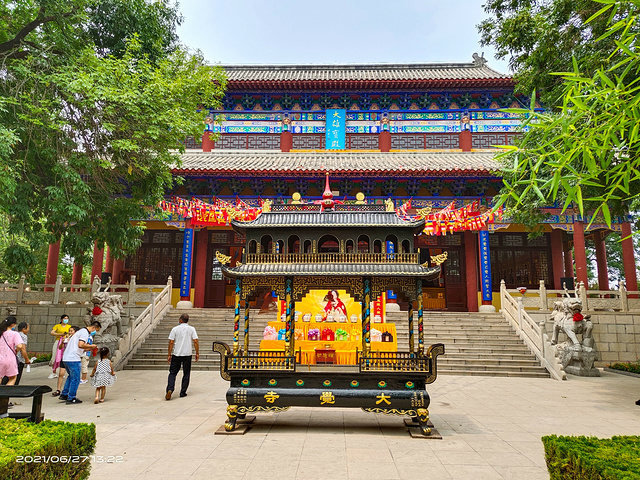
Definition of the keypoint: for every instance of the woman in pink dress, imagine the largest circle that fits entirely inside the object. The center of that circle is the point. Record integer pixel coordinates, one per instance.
(10, 342)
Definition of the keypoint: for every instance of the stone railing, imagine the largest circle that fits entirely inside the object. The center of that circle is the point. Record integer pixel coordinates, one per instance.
(63, 293)
(532, 333)
(137, 333)
(619, 300)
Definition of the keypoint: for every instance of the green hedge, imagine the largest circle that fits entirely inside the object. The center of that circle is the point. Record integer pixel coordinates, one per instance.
(591, 458)
(633, 367)
(46, 450)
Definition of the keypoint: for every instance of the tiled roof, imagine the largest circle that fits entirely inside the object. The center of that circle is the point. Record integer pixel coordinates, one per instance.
(358, 163)
(343, 269)
(376, 72)
(328, 220)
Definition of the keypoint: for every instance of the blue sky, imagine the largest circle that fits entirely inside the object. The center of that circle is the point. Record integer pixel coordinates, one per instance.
(332, 31)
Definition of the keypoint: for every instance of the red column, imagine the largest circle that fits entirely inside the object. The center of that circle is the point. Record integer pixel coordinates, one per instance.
(200, 280)
(465, 141)
(384, 141)
(580, 253)
(286, 141)
(628, 259)
(98, 258)
(556, 258)
(207, 142)
(76, 276)
(118, 265)
(601, 261)
(568, 261)
(108, 264)
(471, 270)
(52, 264)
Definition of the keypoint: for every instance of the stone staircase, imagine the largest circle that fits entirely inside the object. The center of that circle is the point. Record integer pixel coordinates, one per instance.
(475, 343)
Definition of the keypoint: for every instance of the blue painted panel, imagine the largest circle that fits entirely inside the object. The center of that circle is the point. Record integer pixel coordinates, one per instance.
(336, 129)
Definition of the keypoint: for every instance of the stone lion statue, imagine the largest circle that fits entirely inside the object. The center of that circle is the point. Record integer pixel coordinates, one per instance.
(107, 309)
(576, 357)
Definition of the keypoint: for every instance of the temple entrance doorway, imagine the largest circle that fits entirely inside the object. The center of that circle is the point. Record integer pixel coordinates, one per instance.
(448, 291)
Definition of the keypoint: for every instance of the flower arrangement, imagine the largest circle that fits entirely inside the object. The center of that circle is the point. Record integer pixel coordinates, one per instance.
(328, 335)
(299, 334)
(313, 334)
(342, 335)
(633, 367)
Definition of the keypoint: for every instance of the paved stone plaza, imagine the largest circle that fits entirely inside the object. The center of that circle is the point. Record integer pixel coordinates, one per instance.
(491, 428)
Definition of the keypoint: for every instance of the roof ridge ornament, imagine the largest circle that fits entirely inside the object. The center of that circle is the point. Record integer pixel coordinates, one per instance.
(478, 60)
(327, 196)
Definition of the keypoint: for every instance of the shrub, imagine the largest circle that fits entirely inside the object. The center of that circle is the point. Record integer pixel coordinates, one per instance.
(40, 357)
(633, 367)
(591, 458)
(26, 449)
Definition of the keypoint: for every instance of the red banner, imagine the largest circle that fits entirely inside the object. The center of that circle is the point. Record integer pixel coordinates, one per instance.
(204, 214)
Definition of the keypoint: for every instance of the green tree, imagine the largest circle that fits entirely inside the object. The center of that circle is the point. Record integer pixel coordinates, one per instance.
(541, 37)
(586, 154)
(91, 138)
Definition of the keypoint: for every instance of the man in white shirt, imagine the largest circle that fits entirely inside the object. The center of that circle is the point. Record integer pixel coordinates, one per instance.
(76, 347)
(180, 340)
